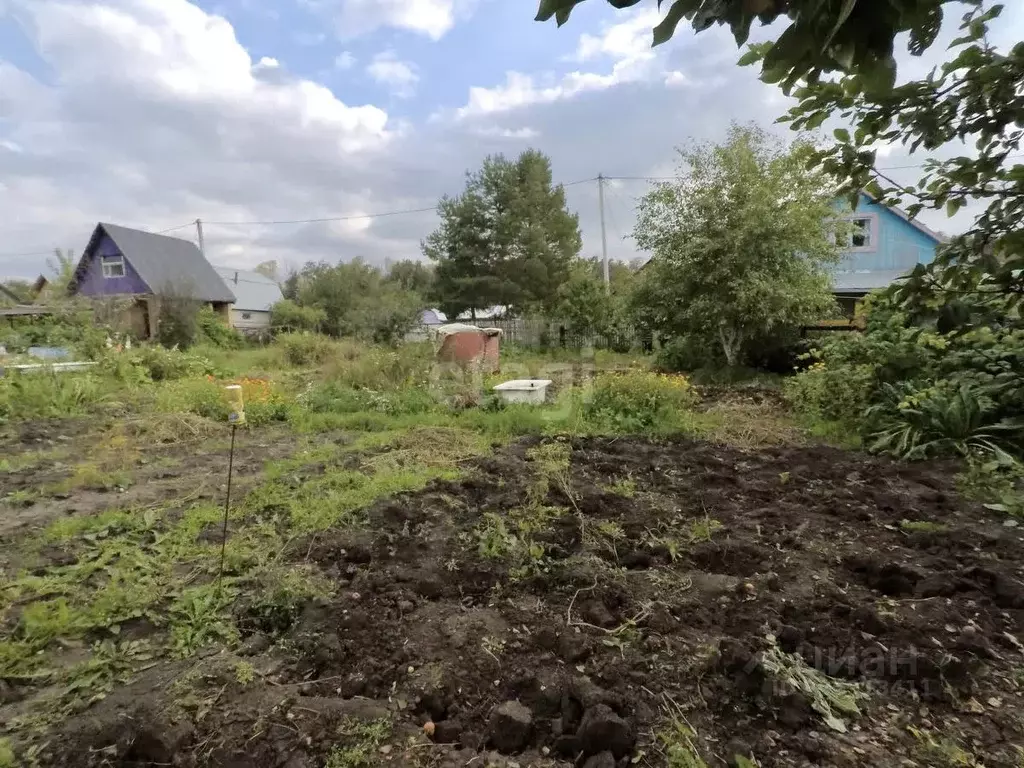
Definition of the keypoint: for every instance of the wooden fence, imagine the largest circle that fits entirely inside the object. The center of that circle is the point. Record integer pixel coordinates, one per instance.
(540, 332)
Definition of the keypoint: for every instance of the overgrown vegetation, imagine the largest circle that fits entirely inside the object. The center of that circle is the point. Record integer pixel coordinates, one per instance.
(924, 389)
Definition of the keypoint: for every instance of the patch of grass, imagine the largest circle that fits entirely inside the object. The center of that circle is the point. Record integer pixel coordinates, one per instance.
(833, 699)
(7, 759)
(23, 497)
(91, 477)
(278, 594)
(703, 529)
(674, 536)
(940, 751)
(110, 664)
(245, 673)
(997, 484)
(837, 433)
(198, 618)
(362, 742)
(676, 739)
(922, 526)
(625, 488)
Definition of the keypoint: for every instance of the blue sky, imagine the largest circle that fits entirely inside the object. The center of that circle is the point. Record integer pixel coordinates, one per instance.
(152, 113)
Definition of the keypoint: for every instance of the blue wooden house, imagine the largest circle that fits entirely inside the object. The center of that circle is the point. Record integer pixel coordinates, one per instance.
(885, 245)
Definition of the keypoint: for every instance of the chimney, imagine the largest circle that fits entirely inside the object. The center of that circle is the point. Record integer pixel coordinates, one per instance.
(236, 278)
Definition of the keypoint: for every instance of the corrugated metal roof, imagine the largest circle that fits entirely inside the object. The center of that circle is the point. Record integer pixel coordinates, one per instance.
(253, 292)
(864, 281)
(168, 263)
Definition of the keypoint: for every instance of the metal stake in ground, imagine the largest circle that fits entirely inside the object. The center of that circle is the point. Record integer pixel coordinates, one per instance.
(236, 417)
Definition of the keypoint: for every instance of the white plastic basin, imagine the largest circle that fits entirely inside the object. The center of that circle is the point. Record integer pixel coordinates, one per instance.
(523, 390)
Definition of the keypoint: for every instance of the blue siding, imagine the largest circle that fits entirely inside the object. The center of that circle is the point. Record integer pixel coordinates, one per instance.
(897, 245)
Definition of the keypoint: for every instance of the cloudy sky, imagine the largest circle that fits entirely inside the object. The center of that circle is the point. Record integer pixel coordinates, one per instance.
(152, 113)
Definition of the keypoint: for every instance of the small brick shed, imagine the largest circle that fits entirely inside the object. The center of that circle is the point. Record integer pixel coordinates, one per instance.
(468, 345)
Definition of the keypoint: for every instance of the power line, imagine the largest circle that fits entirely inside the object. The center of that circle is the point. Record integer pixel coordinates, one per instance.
(180, 226)
(879, 168)
(319, 221)
(357, 217)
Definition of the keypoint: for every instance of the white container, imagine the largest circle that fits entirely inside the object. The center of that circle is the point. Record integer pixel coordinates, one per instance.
(523, 390)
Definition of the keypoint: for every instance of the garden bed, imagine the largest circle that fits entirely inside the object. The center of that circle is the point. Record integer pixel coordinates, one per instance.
(607, 601)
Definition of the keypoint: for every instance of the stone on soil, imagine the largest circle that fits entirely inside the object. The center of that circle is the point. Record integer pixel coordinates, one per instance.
(604, 731)
(510, 727)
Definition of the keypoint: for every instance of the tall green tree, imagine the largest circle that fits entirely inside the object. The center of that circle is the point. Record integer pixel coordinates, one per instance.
(62, 269)
(355, 300)
(508, 239)
(411, 276)
(741, 242)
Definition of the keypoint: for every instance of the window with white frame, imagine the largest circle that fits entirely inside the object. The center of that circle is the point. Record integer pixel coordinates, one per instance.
(861, 236)
(113, 266)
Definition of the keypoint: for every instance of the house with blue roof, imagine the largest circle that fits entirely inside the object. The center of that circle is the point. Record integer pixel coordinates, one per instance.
(885, 244)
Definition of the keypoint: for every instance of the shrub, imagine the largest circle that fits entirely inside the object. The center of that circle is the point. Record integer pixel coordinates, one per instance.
(383, 369)
(289, 316)
(306, 348)
(214, 330)
(688, 353)
(48, 395)
(335, 397)
(916, 390)
(834, 393)
(942, 419)
(154, 363)
(177, 319)
(638, 400)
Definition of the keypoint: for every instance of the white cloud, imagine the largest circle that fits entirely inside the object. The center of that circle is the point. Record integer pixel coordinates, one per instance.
(676, 79)
(400, 76)
(629, 39)
(495, 132)
(627, 44)
(521, 90)
(175, 120)
(344, 60)
(432, 18)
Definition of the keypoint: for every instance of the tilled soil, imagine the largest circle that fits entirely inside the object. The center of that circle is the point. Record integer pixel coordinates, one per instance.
(670, 573)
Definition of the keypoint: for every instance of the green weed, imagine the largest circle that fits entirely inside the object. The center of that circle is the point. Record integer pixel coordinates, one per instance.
(362, 743)
(638, 401)
(198, 619)
(940, 751)
(24, 497)
(703, 529)
(7, 759)
(833, 699)
(91, 477)
(625, 488)
(245, 673)
(922, 526)
(676, 739)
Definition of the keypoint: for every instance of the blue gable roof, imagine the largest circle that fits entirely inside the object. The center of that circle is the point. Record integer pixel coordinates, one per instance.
(892, 245)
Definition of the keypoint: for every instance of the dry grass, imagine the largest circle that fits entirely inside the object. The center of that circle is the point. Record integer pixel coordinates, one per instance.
(745, 423)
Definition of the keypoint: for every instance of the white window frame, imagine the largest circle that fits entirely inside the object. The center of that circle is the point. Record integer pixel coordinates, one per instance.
(870, 232)
(109, 262)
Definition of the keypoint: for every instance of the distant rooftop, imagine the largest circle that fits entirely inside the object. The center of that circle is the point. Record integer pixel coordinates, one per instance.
(253, 292)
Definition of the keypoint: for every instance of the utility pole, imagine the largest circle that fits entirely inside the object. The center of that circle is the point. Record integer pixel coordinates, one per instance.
(202, 244)
(604, 234)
